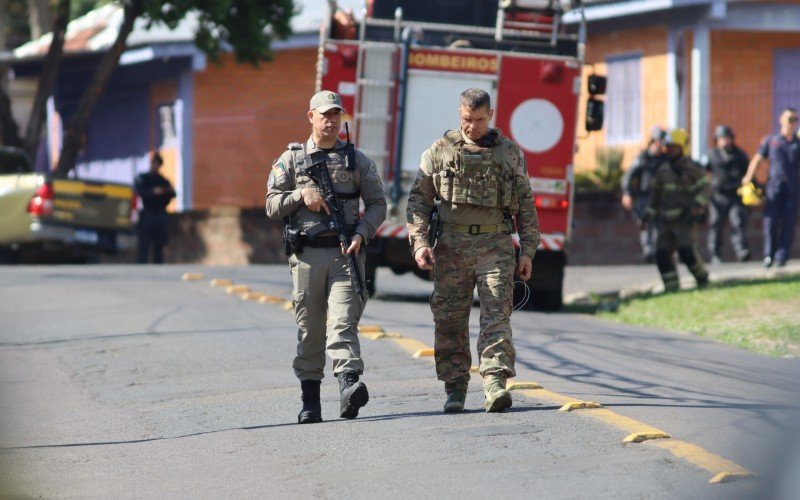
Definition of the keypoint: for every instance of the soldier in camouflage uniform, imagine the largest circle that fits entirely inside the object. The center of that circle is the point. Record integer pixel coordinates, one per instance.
(481, 180)
(678, 202)
(326, 305)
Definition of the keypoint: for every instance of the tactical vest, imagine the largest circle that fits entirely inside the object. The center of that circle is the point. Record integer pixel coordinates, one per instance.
(474, 175)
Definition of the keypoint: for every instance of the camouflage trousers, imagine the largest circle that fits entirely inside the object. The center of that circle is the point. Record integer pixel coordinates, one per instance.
(464, 261)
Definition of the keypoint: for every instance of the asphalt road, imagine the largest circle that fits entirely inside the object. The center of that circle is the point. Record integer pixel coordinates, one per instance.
(123, 381)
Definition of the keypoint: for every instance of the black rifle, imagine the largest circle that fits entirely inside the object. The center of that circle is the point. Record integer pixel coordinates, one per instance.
(318, 171)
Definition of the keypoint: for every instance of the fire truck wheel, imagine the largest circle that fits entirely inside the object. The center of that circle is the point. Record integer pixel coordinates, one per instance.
(547, 284)
(370, 268)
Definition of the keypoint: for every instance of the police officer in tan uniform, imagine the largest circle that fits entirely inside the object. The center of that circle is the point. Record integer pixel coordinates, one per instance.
(482, 182)
(326, 305)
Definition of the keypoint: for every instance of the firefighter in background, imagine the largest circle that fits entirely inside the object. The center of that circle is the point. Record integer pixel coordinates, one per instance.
(636, 185)
(728, 165)
(677, 204)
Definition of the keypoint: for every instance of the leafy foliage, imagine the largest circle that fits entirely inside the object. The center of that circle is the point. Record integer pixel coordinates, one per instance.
(606, 175)
(247, 26)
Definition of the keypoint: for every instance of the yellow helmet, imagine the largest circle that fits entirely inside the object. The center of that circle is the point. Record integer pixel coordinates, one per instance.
(680, 137)
(752, 196)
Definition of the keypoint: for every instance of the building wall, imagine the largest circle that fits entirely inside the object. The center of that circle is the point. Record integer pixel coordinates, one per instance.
(243, 119)
(651, 44)
(742, 69)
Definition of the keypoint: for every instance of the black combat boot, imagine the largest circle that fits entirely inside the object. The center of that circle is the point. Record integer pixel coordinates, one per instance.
(354, 394)
(312, 409)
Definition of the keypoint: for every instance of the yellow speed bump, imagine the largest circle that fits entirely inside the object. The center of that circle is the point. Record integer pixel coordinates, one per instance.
(373, 335)
(424, 353)
(516, 386)
(369, 329)
(639, 437)
(192, 276)
(221, 282)
(474, 369)
(727, 477)
(254, 296)
(288, 306)
(271, 299)
(237, 289)
(580, 405)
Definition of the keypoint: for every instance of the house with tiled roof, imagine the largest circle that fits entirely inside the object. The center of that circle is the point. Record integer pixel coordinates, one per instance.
(219, 124)
(691, 64)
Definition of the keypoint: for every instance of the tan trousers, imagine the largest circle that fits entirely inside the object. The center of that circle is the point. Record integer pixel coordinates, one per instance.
(327, 310)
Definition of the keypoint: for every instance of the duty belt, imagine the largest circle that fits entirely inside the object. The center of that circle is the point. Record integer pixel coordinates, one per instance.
(475, 228)
(321, 242)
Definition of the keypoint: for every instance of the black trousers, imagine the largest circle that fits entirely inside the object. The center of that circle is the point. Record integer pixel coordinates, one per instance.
(727, 207)
(152, 232)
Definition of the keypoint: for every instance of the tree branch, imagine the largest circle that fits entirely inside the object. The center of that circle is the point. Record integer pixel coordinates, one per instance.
(47, 79)
(73, 139)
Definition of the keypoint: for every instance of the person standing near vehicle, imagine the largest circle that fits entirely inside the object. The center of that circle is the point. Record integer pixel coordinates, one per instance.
(326, 305)
(678, 201)
(783, 187)
(481, 179)
(728, 166)
(155, 192)
(636, 186)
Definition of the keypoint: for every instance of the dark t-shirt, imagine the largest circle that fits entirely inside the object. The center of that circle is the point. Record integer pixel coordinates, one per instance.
(145, 185)
(784, 158)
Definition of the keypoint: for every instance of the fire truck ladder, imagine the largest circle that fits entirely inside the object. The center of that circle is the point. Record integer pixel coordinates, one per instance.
(374, 93)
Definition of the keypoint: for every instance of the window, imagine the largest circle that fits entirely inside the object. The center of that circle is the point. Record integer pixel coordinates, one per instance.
(623, 101)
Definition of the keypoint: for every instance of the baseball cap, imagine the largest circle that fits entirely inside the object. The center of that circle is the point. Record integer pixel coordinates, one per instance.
(325, 100)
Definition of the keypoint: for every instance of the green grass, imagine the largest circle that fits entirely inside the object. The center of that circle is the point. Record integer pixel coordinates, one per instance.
(762, 316)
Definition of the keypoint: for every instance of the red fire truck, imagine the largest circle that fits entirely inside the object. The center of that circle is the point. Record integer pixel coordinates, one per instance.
(400, 70)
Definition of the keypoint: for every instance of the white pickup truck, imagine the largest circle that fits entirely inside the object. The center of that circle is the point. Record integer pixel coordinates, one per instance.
(81, 218)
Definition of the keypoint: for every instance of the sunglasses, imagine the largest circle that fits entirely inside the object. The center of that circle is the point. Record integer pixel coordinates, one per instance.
(793, 119)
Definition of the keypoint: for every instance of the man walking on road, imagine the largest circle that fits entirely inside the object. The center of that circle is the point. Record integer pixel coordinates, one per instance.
(678, 202)
(728, 165)
(155, 192)
(326, 305)
(783, 187)
(636, 186)
(481, 179)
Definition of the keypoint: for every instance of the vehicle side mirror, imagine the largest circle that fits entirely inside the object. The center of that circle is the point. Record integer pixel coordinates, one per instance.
(596, 85)
(594, 114)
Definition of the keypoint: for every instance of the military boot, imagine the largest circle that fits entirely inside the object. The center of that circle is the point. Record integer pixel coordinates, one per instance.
(456, 396)
(312, 409)
(353, 395)
(497, 398)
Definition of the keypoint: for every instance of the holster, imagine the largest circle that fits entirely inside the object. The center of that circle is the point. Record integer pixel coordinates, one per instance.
(292, 242)
(434, 226)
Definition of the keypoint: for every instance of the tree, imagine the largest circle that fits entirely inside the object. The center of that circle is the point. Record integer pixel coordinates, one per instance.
(247, 26)
(8, 127)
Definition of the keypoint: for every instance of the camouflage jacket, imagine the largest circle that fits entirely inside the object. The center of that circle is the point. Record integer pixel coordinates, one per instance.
(678, 187)
(476, 185)
(286, 180)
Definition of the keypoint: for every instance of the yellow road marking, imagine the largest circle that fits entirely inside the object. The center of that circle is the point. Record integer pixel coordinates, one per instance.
(517, 386)
(724, 470)
(192, 276)
(236, 289)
